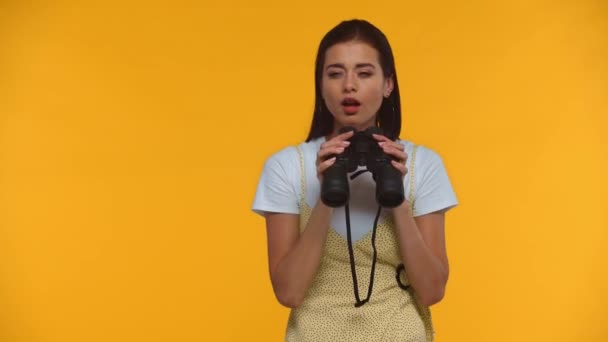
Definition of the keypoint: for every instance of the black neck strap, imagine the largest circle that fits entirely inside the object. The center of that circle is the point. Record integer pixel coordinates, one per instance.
(351, 253)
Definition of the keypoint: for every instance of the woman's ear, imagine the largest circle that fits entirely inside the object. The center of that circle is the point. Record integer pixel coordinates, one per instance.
(389, 85)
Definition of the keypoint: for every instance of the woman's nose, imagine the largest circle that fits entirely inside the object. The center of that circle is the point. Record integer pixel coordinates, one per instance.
(350, 83)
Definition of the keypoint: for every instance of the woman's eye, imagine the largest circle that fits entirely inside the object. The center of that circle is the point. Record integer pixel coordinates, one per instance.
(365, 74)
(333, 74)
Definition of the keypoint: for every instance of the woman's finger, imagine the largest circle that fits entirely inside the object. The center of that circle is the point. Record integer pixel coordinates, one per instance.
(401, 167)
(401, 156)
(332, 143)
(338, 140)
(324, 153)
(393, 144)
(325, 164)
(344, 136)
(381, 138)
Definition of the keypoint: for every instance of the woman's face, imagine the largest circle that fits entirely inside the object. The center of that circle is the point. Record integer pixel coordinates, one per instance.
(353, 84)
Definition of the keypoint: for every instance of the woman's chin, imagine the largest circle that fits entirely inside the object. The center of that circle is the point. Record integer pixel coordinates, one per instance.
(355, 123)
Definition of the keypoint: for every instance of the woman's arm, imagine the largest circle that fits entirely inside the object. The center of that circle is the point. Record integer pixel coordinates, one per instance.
(421, 239)
(423, 252)
(294, 258)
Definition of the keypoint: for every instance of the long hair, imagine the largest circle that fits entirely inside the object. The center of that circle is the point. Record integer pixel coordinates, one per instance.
(389, 114)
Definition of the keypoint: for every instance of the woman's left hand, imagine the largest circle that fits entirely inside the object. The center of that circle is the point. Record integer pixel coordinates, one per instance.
(395, 150)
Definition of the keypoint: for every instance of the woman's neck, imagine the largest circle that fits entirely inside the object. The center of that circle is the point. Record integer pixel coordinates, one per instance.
(337, 128)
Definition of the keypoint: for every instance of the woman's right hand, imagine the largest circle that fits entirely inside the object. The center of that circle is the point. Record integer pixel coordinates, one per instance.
(335, 145)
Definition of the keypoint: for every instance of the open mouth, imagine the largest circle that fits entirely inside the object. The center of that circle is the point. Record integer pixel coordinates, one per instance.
(350, 105)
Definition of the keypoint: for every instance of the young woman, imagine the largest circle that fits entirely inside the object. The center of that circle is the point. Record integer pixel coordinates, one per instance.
(356, 272)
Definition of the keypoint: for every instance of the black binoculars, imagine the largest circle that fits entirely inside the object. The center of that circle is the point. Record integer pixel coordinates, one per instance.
(362, 151)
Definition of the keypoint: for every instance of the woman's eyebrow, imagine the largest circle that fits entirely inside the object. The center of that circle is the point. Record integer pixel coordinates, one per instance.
(357, 66)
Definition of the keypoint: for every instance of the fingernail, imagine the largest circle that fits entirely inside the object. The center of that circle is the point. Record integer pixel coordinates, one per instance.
(381, 143)
(346, 143)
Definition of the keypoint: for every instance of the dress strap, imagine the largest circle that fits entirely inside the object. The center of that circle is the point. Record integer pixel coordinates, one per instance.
(302, 174)
(411, 170)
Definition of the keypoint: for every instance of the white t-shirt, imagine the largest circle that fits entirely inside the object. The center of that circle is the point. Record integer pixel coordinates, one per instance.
(279, 189)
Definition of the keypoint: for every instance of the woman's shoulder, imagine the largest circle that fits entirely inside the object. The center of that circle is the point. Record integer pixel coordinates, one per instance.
(432, 187)
(282, 157)
(311, 146)
(424, 155)
(289, 156)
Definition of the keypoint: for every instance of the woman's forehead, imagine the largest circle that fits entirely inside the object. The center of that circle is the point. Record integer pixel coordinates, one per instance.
(351, 53)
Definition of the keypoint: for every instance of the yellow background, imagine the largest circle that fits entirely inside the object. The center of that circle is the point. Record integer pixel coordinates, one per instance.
(132, 136)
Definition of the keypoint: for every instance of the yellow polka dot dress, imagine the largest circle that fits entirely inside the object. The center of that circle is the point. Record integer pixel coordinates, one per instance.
(328, 312)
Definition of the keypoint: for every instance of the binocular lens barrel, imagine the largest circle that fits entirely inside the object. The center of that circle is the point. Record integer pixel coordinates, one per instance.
(334, 188)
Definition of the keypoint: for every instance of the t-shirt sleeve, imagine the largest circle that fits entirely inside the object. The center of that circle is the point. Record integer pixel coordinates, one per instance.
(434, 191)
(277, 190)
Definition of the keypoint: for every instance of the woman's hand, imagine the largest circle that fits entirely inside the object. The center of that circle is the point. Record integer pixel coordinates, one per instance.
(395, 150)
(335, 145)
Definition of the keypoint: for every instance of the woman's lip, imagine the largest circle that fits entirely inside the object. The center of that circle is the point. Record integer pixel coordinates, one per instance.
(349, 101)
(351, 109)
